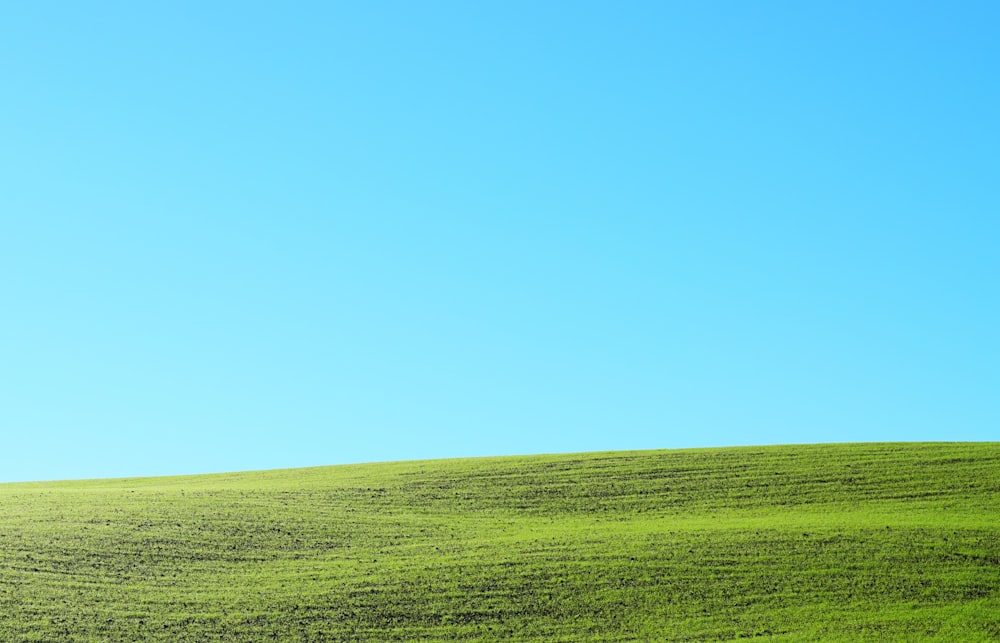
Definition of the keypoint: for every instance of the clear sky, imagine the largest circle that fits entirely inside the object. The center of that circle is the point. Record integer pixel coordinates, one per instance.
(245, 235)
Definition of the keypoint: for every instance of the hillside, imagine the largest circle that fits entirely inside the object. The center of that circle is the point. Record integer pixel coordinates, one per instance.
(863, 542)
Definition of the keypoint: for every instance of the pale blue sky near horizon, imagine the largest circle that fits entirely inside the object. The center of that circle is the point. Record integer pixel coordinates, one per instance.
(250, 235)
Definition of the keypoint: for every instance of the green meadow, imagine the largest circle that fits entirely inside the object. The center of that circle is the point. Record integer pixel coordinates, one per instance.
(790, 543)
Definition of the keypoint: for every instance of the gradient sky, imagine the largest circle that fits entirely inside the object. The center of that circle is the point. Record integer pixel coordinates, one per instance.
(246, 235)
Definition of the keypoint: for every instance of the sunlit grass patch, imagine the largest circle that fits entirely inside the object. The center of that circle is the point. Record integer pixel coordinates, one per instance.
(841, 542)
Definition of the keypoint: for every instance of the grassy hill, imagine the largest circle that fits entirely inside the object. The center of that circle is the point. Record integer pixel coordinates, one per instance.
(829, 542)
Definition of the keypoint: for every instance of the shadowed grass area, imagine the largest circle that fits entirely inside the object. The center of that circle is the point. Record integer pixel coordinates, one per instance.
(859, 542)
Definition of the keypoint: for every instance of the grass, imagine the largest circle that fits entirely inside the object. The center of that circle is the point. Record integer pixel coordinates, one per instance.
(824, 542)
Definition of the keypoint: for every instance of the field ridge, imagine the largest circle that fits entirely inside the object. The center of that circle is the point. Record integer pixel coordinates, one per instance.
(892, 541)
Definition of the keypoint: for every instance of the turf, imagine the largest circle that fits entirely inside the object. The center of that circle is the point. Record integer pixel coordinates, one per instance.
(819, 542)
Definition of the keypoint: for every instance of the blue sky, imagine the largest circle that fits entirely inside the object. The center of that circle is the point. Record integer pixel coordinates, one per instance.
(242, 235)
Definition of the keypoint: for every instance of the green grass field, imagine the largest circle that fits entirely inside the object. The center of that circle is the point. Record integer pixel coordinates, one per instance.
(829, 542)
